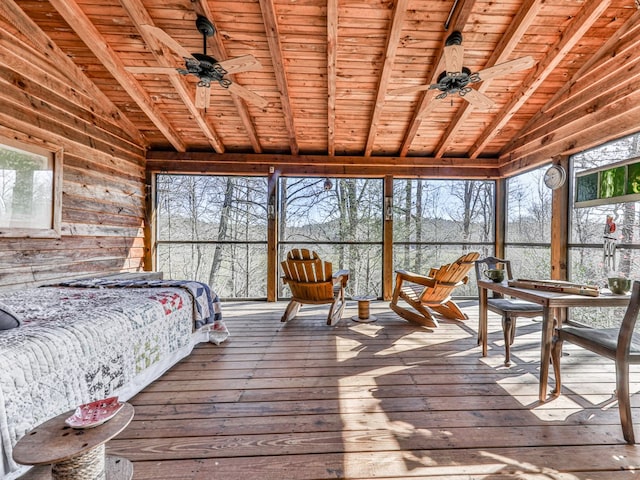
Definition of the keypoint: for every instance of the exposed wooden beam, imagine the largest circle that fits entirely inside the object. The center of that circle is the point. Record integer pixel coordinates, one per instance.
(138, 13)
(273, 38)
(100, 103)
(332, 73)
(597, 76)
(607, 118)
(458, 21)
(501, 53)
(202, 8)
(593, 93)
(80, 23)
(590, 12)
(393, 38)
(322, 165)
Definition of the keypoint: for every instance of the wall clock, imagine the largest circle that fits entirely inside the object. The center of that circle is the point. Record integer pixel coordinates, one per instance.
(555, 177)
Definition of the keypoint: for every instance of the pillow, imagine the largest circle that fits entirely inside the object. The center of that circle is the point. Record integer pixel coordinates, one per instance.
(8, 319)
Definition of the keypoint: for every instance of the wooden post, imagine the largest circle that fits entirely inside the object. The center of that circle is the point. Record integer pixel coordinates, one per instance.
(560, 226)
(500, 217)
(387, 241)
(272, 236)
(150, 223)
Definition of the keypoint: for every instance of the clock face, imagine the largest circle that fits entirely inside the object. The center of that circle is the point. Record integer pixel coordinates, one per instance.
(555, 177)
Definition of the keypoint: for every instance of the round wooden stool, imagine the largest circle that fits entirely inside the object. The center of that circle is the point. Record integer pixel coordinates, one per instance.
(65, 453)
(363, 309)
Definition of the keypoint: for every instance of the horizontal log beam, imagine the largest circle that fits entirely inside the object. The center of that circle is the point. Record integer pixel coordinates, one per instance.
(321, 165)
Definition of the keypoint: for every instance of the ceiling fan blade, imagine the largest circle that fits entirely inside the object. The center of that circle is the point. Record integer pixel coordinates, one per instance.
(248, 95)
(203, 97)
(430, 103)
(244, 63)
(478, 99)
(152, 70)
(165, 38)
(408, 90)
(453, 58)
(506, 68)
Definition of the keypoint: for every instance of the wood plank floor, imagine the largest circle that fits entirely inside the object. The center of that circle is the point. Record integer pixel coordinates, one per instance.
(382, 400)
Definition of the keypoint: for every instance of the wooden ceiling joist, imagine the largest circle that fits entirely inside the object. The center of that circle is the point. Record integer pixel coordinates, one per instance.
(616, 58)
(202, 8)
(590, 12)
(398, 17)
(69, 70)
(273, 38)
(517, 28)
(458, 20)
(136, 10)
(80, 23)
(332, 73)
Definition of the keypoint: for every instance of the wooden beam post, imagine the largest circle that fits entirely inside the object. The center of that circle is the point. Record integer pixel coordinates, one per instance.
(272, 236)
(387, 241)
(560, 226)
(500, 216)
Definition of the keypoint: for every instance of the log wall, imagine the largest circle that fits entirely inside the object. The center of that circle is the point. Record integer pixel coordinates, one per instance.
(46, 101)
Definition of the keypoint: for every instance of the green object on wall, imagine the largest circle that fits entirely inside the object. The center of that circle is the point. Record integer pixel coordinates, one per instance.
(612, 182)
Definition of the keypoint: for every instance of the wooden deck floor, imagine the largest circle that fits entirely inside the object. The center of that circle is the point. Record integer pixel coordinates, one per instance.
(382, 400)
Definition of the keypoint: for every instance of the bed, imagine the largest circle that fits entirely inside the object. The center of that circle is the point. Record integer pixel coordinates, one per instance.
(90, 339)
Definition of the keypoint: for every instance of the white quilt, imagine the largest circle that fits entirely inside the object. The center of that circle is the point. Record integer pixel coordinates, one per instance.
(77, 345)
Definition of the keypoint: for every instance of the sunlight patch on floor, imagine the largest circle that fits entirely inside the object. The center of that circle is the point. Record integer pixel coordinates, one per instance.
(347, 348)
(416, 340)
(559, 408)
(529, 471)
(369, 329)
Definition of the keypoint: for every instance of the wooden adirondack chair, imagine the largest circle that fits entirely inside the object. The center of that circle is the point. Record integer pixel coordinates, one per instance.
(312, 282)
(432, 292)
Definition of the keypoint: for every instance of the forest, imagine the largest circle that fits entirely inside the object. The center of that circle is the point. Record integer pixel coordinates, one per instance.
(214, 228)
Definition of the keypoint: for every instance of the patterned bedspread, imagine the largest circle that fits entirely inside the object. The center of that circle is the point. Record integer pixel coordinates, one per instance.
(206, 303)
(81, 344)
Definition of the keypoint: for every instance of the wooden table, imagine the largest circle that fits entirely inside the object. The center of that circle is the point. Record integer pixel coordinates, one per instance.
(552, 303)
(64, 452)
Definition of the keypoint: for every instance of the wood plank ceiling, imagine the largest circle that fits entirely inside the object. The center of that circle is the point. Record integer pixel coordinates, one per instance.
(330, 69)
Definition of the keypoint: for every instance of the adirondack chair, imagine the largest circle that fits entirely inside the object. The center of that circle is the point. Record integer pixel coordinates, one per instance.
(312, 282)
(433, 292)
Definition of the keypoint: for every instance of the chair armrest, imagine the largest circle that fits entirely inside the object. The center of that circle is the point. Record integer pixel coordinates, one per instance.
(415, 278)
(341, 275)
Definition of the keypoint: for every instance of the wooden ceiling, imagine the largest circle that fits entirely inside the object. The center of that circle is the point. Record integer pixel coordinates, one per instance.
(330, 69)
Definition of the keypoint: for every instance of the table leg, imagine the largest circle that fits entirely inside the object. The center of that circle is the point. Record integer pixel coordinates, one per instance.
(482, 326)
(545, 350)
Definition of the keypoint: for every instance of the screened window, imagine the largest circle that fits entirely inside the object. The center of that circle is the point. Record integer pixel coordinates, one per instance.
(214, 229)
(528, 225)
(436, 221)
(29, 191)
(340, 219)
(588, 261)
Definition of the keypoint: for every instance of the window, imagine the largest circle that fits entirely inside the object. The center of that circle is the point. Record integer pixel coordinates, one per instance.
(437, 221)
(30, 190)
(528, 230)
(340, 219)
(588, 261)
(214, 229)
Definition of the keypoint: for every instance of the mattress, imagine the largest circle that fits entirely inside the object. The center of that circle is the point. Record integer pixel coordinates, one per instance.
(77, 345)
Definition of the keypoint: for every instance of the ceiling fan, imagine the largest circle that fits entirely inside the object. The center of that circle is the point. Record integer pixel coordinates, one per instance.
(207, 69)
(456, 78)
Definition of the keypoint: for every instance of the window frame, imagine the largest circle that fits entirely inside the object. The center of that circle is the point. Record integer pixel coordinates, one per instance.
(56, 158)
